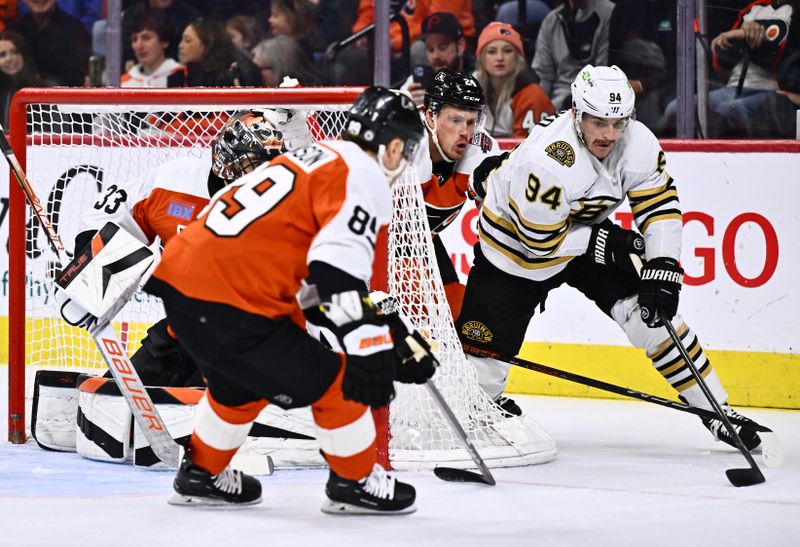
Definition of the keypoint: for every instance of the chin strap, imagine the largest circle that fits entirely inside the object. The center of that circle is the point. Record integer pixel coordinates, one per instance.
(435, 137)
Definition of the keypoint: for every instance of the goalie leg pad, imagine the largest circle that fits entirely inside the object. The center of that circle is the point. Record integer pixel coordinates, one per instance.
(104, 421)
(55, 409)
(176, 406)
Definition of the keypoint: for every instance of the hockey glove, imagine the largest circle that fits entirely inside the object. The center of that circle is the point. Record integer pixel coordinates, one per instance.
(72, 312)
(417, 361)
(610, 245)
(478, 179)
(659, 289)
(370, 359)
(370, 365)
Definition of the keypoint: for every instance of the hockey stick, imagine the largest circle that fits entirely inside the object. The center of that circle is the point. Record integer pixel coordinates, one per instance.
(739, 476)
(772, 451)
(453, 474)
(390, 305)
(104, 336)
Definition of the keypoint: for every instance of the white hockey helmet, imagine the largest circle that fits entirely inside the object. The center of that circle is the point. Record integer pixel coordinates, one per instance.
(603, 92)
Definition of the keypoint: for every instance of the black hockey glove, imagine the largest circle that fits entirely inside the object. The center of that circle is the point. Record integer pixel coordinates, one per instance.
(610, 245)
(417, 361)
(659, 289)
(370, 365)
(370, 359)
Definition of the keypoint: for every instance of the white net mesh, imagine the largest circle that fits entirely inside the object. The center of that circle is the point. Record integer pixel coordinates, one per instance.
(419, 434)
(74, 154)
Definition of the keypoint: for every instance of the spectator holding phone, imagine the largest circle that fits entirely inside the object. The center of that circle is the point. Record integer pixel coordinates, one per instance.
(515, 100)
(445, 48)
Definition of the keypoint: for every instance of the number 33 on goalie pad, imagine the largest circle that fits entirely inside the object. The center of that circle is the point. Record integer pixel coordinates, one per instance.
(103, 275)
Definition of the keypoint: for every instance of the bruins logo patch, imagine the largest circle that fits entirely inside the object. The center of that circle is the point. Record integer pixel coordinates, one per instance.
(475, 330)
(562, 152)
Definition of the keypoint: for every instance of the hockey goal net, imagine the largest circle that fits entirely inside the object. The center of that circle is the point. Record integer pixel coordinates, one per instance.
(75, 144)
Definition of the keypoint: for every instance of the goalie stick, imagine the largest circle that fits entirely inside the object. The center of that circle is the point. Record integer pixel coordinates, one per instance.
(738, 476)
(104, 336)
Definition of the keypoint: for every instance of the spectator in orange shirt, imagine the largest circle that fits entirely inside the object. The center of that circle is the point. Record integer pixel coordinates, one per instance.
(515, 100)
(415, 13)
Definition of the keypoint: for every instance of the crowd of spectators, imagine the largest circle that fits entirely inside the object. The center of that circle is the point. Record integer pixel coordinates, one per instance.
(525, 66)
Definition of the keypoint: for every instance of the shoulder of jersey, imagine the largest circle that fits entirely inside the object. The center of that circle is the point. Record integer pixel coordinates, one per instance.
(340, 153)
(482, 142)
(186, 175)
(642, 148)
(554, 144)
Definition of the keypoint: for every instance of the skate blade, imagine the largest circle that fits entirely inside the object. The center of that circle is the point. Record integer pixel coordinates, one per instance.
(200, 501)
(340, 508)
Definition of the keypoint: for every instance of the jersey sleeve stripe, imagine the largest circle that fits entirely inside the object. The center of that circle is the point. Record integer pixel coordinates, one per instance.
(670, 214)
(638, 207)
(649, 192)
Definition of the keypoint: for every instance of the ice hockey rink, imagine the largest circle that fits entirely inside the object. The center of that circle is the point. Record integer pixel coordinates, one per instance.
(627, 473)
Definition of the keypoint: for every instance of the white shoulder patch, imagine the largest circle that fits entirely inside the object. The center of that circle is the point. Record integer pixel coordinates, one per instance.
(311, 157)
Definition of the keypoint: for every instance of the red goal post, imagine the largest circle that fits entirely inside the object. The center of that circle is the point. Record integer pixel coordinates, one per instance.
(109, 135)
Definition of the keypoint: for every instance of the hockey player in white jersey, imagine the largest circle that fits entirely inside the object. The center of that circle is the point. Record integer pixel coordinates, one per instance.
(545, 222)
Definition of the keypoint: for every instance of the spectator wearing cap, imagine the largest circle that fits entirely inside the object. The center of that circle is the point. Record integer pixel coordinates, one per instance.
(516, 101)
(445, 48)
(572, 35)
(415, 13)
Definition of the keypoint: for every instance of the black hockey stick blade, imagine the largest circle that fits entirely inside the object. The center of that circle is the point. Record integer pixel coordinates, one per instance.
(745, 477)
(453, 474)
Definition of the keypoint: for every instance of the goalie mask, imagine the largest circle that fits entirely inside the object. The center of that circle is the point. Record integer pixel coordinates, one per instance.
(380, 115)
(602, 92)
(246, 141)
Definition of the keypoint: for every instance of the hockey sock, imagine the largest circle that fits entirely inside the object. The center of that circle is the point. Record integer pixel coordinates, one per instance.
(345, 432)
(219, 431)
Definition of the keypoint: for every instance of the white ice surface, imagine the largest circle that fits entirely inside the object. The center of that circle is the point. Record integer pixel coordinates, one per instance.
(628, 473)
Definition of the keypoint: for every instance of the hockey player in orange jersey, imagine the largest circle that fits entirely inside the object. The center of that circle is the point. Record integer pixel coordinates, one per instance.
(299, 229)
(452, 112)
(164, 200)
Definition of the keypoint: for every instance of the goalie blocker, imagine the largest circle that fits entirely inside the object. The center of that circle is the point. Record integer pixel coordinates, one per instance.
(101, 277)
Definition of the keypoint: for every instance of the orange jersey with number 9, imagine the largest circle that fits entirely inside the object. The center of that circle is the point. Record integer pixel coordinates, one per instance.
(251, 246)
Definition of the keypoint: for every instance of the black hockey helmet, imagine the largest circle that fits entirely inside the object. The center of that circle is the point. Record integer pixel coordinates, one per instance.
(380, 115)
(456, 89)
(246, 141)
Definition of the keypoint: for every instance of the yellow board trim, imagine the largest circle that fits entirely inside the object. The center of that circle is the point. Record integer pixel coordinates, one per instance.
(759, 379)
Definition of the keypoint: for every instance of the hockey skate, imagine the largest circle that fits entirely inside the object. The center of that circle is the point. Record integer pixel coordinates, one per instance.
(508, 405)
(748, 435)
(377, 494)
(195, 486)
